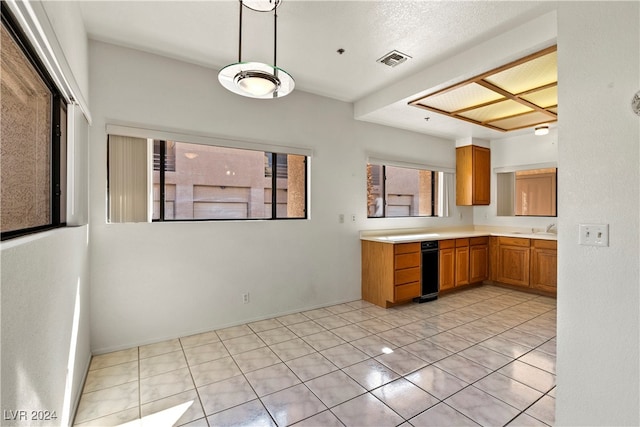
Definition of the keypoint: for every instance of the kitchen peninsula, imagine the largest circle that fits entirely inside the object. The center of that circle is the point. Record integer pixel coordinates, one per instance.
(393, 270)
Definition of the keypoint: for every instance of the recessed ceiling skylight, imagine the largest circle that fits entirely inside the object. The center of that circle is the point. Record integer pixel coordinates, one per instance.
(518, 95)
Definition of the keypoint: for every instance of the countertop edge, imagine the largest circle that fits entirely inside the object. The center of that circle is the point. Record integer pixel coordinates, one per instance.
(431, 236)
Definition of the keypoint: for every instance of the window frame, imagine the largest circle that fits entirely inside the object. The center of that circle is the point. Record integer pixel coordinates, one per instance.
(274, 193)
(56, 146)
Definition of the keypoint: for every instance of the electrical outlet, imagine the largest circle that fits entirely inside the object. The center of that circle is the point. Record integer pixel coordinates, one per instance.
(593, 234)
(341, 218)
(245, 298)
(353, 217)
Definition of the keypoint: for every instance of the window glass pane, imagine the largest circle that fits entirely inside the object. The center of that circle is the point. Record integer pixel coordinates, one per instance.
(210, 182)
(25, 141)
(405, 192)
(374, 191)
(291, 186)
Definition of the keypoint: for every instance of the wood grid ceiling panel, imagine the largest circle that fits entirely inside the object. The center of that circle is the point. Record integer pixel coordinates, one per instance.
(514, 96)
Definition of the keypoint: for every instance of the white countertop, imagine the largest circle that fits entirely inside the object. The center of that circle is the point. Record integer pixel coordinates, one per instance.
(429, 235)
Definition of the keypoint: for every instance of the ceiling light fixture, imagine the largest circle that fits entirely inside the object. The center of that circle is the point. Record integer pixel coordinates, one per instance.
(256, 79)
(541, 130)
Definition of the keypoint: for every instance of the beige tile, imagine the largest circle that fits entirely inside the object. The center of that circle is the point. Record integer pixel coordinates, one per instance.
(256, 359)
(264, 325)
(115, 358)
(117, 419)
(205, 353)
(101, 403)
(243, 343)
(199, 339)
(252, 413)
(401, 361)
(291, 349)
(486, 357)
(405, 398)
(541, 360)
(159, 348)
(163, 363)
(442, 415)
(427, 351)
(234, 332)
(311, 366)
(508, 390)
(536, 378)
(544, 410)
(225, 394)
(178, 409)
(332, 322)
(271, 379)
(344, 355)
(340, 308)
(350, 332)
(371, 374)
(317, 313)
(335, 388)
(293, 404)
(277, 335)
(323, 340)
(436, 382)
(366, 410)
(463, 368)
(292, 319)
(99, 379)
(164, 385)
(398, 337)
(482, 407)
(373, 345)
(303, 329)
(324, 419)
(216, 370)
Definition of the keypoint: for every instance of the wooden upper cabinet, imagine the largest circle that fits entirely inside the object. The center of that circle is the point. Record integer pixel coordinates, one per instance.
(473, 175)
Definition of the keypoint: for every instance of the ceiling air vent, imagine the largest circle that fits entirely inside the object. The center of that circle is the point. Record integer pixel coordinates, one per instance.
(393, 58)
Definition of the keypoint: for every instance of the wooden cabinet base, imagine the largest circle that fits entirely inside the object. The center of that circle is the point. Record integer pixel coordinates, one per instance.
(535, 291)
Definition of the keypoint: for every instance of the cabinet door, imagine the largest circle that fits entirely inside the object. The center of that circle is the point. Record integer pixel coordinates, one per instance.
(447, 268)
(544, 269)
(481, 176)
(513, 265)
(478, 263)
(462, 266)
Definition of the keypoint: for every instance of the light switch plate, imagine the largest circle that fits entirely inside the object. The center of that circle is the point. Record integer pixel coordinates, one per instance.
(593, 234)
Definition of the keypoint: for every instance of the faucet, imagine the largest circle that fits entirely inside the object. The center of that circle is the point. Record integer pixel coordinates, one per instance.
(551, 227)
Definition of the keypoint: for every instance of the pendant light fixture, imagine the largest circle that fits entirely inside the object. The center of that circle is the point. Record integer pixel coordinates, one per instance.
(256, 79)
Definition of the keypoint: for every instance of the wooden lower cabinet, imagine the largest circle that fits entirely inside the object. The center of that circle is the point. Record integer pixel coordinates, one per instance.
(462, 262)
(513, 261)
(390, 273)
(447, 264)
(479, 259)
(544, 265)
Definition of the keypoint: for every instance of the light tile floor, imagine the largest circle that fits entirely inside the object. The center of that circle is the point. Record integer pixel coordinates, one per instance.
(482, 356)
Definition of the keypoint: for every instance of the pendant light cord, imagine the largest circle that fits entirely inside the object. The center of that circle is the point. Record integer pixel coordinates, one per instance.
(275, 35)
(240, 35)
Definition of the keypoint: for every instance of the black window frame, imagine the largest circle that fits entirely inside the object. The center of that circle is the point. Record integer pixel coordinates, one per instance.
(274, 193)
(57, 104)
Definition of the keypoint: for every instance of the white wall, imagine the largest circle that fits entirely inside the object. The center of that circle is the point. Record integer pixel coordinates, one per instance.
(598, 299)
(160, 280)
(517, 151)
(45, 278)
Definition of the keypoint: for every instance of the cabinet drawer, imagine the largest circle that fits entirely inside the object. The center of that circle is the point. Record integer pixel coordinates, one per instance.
(408, 291)
(446, 244)
(405, 248)
(407, 275)
(462, 243)
(407, 260)
(514, 241)
(484, 240)
(544, 244)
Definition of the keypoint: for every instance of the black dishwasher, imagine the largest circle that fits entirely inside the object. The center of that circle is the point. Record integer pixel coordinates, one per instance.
(429, 281)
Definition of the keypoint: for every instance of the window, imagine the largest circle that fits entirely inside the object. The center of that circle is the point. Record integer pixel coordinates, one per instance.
(394, 191)
(530, 192)
(32, 140)
(203, 182)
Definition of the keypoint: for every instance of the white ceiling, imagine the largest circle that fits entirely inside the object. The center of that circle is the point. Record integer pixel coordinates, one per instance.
(310, 33)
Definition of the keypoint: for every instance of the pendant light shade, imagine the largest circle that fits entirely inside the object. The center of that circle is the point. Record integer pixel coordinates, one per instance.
(256, 79)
